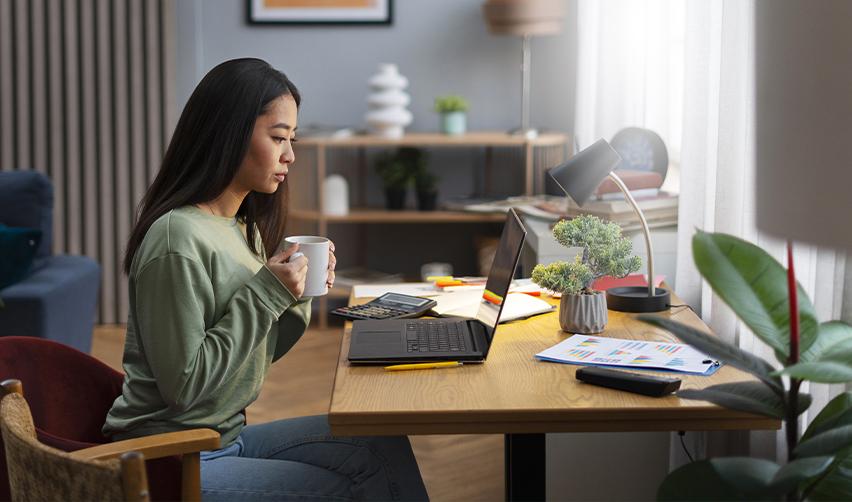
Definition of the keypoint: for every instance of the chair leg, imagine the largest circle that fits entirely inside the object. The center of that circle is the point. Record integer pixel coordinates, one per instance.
(191, 477)
(135, 479)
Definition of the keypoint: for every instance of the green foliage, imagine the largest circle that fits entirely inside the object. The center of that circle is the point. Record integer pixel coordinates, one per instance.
(451, 103)
(731, 478)
(605, 252)
(567, 277)
(754, 286)
(398, 169)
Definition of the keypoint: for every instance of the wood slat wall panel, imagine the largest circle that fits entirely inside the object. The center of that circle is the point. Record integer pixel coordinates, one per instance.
(107, 238)
(87, 97)
(7, 137)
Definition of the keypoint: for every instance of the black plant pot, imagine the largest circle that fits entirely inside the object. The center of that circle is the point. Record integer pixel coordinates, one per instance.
(395, 198)
(427, 201)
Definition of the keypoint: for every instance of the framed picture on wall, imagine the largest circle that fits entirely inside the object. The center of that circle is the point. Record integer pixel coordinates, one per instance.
(319, 11)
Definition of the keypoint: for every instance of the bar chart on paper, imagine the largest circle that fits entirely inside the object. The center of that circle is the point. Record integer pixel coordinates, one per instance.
(601, 351)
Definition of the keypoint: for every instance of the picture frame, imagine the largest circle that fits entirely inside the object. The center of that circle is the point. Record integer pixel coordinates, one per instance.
(320, 12)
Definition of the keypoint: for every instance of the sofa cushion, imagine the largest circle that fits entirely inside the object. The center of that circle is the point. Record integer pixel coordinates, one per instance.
(17, 250)
(26, 200)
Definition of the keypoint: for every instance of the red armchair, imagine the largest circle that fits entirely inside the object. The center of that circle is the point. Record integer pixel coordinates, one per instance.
(56, 379)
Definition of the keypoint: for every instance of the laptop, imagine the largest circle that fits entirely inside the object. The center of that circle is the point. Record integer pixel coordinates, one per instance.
(450, 339)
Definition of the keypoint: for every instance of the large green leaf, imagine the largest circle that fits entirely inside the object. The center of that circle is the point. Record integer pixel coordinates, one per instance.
(719, 349)
(730, 478)
(837, 485)
(790, 476)
(751, 397)
(837, 413)
(832, 365)
(826, 443)
(829, 334)
(754, 285)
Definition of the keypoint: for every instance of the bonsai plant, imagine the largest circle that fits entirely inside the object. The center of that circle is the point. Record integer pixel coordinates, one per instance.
(605, 252)
(776, 309)
(452, 110)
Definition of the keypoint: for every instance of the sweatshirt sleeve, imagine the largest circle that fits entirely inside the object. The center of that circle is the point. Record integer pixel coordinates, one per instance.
(291, 326)
(190, 353)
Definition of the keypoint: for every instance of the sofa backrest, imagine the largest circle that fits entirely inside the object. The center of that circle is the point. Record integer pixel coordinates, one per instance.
(26, 200)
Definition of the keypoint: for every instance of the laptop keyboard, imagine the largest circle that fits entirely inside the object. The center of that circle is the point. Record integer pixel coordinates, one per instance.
(435, 336)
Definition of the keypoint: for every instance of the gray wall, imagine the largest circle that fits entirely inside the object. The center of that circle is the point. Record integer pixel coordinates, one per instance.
(442, 46)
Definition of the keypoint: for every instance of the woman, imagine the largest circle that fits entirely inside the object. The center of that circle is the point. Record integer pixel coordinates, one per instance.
(212, 305)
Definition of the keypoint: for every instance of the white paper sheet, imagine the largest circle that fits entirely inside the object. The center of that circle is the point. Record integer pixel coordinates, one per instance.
(466, 304)
(596, 350)
(406, 288)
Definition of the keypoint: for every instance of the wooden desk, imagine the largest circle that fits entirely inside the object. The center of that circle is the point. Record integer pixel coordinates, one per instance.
(514, 394)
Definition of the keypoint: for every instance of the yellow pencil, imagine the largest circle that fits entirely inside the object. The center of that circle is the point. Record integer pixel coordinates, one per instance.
(422, 366)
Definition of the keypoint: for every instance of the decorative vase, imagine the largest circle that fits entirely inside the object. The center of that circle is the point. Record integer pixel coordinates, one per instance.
(453, 123)
(395, 198)
(427, 201)
(387, 101)
(335, 196)
(584, 313)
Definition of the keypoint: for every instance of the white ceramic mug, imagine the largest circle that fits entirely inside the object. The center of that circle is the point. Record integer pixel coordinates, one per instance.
(315, 249)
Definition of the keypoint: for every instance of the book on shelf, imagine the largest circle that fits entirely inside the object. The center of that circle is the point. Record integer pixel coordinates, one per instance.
(634, 180)
(640, 193)
(661, 201)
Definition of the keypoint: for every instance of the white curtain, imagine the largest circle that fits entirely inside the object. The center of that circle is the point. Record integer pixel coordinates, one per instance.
(709, 128)
(628, 51)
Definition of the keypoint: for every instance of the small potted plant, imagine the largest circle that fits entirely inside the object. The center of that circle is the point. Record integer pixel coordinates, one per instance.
(396, 176)
(605, 252)
(452, 110)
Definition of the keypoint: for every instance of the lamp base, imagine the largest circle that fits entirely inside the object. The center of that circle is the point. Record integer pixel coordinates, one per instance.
(636, 299)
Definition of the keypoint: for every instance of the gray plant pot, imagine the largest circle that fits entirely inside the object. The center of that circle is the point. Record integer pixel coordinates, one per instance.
(583, 314)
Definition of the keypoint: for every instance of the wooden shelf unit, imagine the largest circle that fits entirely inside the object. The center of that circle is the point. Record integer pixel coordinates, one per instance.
(307, 198)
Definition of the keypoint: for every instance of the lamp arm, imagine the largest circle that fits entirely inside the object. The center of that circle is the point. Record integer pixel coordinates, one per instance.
(614, 177)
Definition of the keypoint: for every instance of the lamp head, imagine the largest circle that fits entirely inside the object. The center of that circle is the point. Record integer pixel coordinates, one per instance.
(524, 17)
(580, 175)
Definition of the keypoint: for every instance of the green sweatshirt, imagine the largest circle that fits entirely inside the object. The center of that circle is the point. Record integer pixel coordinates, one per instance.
(206, 320)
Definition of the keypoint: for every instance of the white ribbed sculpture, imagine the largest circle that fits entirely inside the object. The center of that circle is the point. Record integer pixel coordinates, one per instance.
(387, 115)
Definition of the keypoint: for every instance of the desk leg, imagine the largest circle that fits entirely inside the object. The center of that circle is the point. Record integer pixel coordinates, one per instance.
(526, 469)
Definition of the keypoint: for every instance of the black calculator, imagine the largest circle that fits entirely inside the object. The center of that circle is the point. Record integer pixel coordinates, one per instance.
(388, 306)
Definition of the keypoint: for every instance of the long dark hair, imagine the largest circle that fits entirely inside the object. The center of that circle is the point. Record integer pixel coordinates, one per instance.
(209, 144)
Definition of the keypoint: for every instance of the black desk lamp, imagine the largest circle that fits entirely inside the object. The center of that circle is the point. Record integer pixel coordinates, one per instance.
(579, 177)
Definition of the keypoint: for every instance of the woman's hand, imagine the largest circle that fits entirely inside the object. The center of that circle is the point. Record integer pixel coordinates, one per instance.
(291, 273)
(332, 262)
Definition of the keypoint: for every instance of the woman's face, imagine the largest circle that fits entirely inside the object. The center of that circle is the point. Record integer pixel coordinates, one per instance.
(270, 152)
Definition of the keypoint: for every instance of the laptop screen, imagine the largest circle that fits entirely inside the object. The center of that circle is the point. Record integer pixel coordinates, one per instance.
(502, 271)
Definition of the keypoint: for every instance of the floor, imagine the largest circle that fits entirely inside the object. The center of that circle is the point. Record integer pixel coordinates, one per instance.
(454, 468)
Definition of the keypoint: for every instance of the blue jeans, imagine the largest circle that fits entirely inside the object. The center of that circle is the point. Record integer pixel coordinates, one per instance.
(299, 459)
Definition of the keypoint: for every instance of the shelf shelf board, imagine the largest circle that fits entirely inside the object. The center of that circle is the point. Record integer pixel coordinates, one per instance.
(367, 215)
(480, 138)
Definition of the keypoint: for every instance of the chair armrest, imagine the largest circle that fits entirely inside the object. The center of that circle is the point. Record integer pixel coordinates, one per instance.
(156, 445)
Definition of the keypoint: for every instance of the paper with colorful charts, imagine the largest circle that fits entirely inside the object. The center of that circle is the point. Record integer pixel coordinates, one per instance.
(637, 354)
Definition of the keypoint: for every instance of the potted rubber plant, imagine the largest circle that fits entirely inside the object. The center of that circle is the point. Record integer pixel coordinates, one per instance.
(769, 300)
(604, 252)
(453, 111)
(396, 173)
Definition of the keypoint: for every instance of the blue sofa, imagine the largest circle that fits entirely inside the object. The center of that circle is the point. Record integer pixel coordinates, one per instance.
(58, 299)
